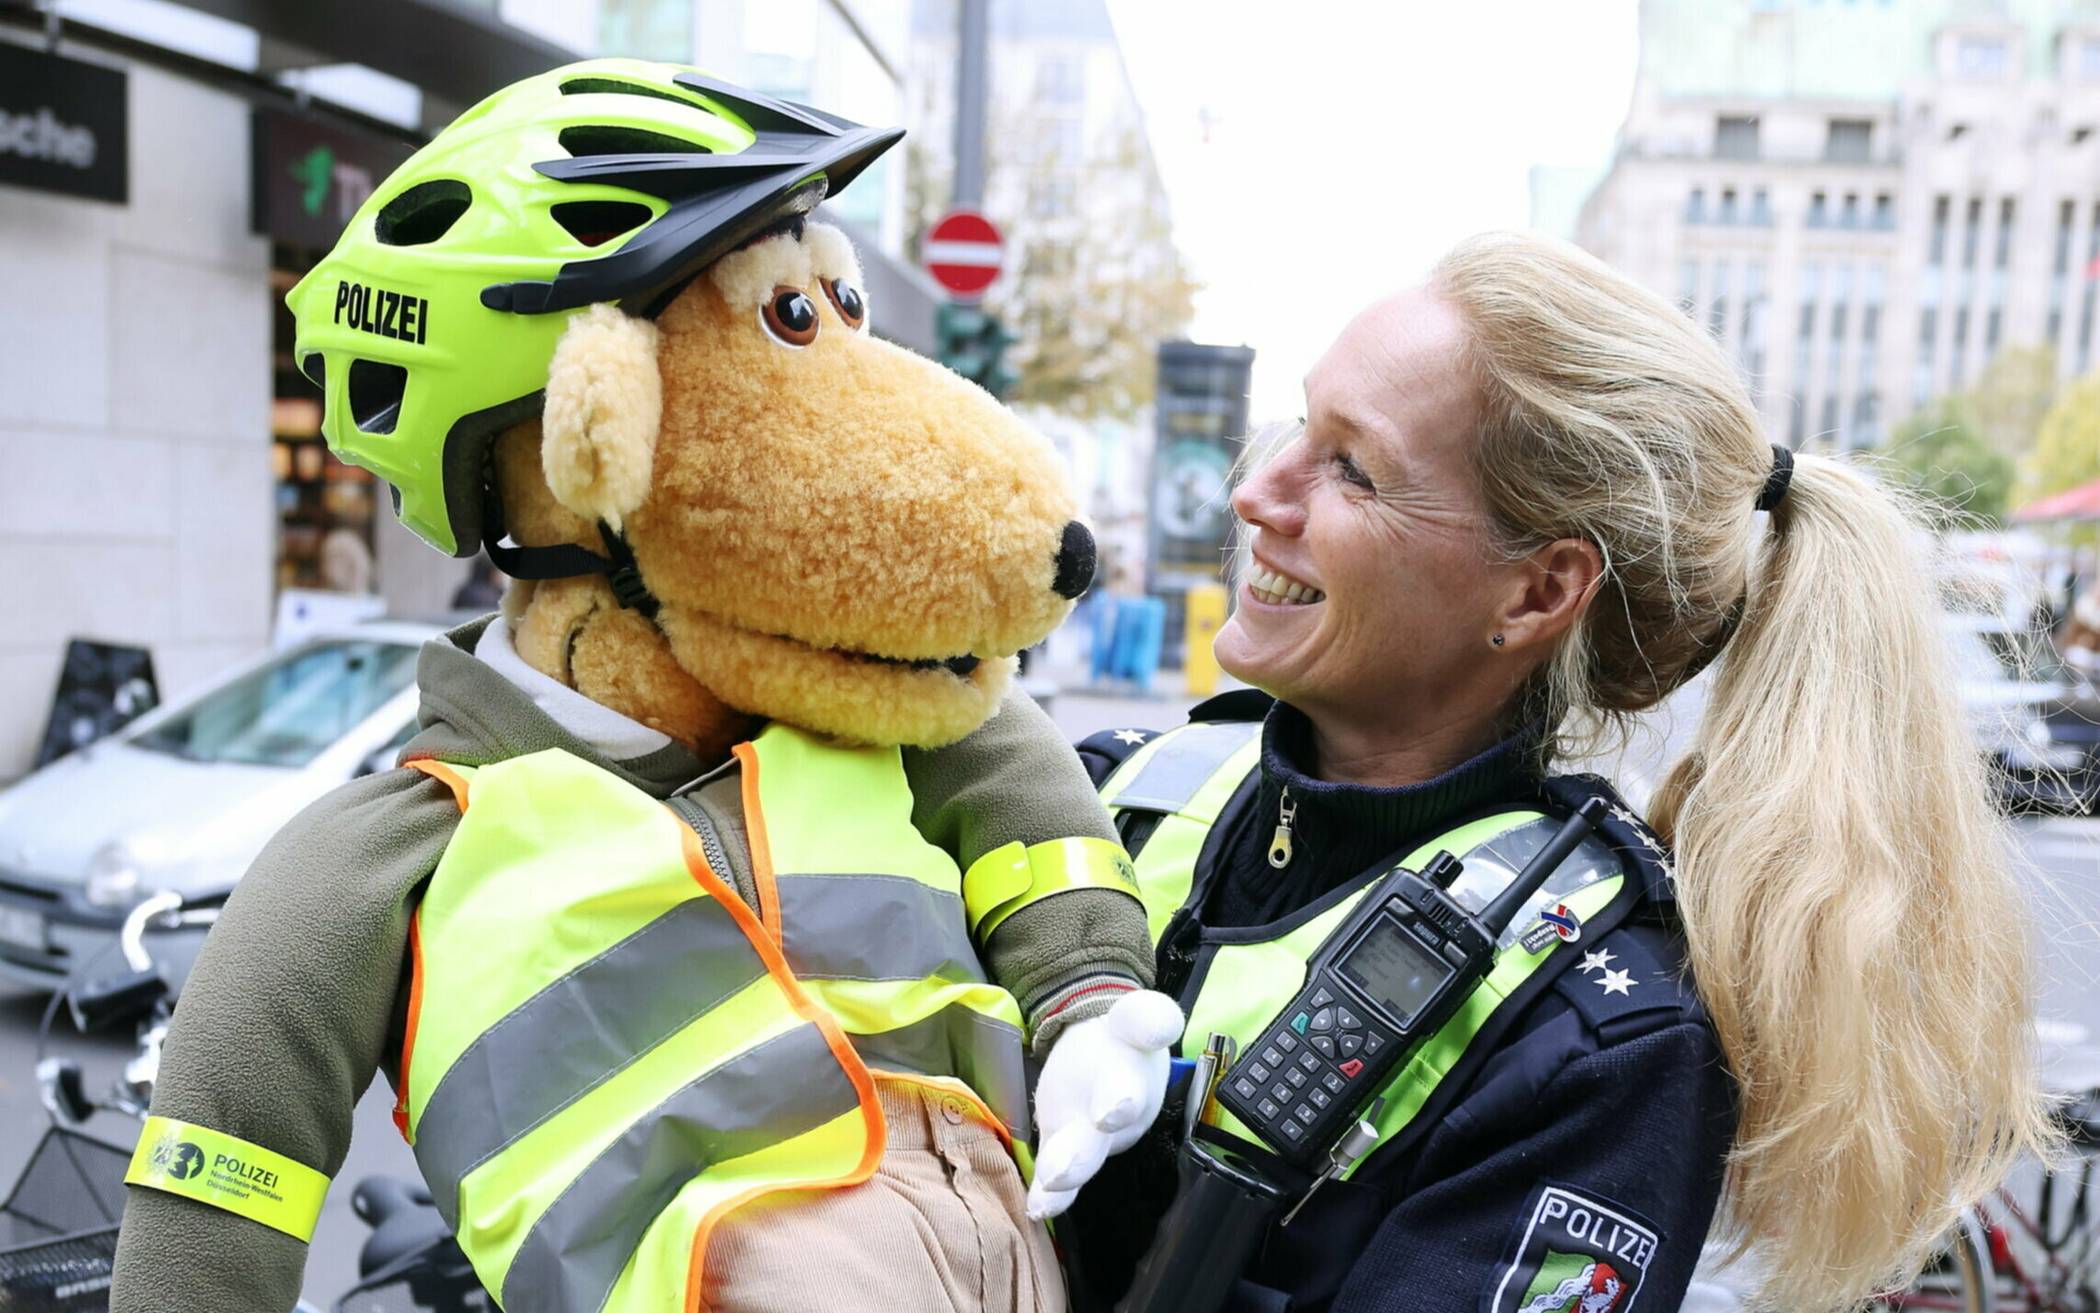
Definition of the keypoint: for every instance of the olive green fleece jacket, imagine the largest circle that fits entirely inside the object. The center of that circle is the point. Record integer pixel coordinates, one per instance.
(300, 993)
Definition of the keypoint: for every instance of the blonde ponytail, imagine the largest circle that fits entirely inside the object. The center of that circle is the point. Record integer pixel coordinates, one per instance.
(1852, 925)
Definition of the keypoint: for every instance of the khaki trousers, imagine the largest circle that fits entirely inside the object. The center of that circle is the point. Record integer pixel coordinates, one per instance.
(941, 1225)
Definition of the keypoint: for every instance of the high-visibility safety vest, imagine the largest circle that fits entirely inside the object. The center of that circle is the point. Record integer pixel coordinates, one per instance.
(1184, 780)
(607, 1050)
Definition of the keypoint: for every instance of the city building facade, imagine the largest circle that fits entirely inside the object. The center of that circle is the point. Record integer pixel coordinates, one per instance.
(1864, 201)
(167, 172)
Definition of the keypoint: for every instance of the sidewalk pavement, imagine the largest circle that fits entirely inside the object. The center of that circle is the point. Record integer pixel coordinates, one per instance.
(1080, 708)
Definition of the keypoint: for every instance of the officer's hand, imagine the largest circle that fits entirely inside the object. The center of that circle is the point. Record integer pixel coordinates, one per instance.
(1101, 1088)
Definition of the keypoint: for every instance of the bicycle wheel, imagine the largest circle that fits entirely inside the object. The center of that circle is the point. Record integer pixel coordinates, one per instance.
(1957, 1279)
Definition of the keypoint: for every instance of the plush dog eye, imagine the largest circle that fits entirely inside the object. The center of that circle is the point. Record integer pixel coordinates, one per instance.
(845, 298)
(791, 317)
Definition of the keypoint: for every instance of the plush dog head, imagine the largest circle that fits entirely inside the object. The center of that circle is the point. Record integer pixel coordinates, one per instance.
(842, 535)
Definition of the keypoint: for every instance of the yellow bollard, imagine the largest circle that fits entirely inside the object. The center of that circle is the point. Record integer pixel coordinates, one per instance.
(1205, 611)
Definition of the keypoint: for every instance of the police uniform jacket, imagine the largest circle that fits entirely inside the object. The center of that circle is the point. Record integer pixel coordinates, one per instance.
(1578, 1164)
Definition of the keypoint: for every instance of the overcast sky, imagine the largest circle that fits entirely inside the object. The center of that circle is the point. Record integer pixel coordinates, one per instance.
(1320, 153)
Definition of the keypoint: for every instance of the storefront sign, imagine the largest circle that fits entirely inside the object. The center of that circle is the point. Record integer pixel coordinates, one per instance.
(311, 176)
(63, 125)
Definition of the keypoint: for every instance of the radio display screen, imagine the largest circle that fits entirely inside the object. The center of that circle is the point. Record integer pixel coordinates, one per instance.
(1394, 969)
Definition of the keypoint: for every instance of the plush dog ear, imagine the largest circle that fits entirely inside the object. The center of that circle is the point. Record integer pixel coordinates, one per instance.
(604, 402)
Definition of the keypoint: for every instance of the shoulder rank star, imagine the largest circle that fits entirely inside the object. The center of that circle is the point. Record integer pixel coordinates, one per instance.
(1618, 982)
(1597, 959)
(1130, 736)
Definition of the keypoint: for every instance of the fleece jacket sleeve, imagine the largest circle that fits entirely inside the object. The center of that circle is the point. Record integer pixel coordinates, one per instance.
(1016, 779)
(280, 1027)
(1638, 1130)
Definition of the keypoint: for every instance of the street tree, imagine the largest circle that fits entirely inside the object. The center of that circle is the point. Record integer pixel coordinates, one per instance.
(2014, 392)
(2067, 448)
(1093, 281)
(1940, 452)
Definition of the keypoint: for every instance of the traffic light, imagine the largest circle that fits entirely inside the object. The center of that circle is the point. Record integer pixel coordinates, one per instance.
(973, 344)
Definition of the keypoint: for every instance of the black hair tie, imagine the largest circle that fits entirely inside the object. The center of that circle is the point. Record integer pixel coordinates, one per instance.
(1776, 483)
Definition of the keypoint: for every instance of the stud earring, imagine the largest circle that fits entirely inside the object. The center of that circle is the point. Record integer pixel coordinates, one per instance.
(1496, 640)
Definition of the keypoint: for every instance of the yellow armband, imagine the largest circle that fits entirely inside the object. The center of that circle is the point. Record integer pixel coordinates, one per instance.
(1007, 879)
(217, 1169)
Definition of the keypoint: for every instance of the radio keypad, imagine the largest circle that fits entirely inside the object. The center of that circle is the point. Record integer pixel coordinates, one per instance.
(1308, 1076)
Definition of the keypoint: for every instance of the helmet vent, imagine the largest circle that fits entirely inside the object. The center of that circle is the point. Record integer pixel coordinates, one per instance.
(608, 139)
(595, 223)
(423, 213)
(375, 395)
(615, 87)
(315, 368)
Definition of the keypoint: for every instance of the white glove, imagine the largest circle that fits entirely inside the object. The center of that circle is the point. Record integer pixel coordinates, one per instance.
(1101, 1087)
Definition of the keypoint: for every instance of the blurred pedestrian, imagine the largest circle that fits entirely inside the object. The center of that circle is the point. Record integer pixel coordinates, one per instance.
(346, 562)
(482, 590)
(2079, 640)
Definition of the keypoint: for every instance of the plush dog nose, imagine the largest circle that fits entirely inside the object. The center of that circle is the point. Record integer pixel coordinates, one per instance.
(1075, 561)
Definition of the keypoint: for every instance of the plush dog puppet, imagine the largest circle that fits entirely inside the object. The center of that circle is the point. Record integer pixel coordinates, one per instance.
(703, 931)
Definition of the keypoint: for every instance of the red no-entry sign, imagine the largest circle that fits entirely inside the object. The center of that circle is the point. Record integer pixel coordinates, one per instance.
(963, 252)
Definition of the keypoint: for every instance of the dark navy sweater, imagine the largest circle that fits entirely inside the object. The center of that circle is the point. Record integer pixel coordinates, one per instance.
(1578, 1169)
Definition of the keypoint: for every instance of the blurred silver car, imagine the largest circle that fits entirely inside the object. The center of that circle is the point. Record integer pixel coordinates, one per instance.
(2036, 720)
(185, 797)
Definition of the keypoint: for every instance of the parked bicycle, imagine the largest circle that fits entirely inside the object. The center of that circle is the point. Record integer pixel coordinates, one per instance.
(58, 1225)
(2033, 1244)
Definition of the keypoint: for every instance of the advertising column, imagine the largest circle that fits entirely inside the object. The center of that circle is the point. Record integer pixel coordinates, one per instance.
(1202, 420)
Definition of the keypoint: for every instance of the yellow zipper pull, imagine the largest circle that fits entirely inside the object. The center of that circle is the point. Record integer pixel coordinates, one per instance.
(1280, 845)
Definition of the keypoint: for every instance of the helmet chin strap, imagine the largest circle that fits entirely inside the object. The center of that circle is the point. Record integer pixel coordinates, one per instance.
(572, 561)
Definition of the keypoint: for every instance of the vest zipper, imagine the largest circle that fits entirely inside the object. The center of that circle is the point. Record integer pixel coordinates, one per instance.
(1280, 844)
(710, 842)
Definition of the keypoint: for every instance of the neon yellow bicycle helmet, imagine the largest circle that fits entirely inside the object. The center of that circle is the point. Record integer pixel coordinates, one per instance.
(430, 326)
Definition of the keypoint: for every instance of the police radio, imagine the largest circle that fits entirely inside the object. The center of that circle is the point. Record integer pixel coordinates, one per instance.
(1390, 976)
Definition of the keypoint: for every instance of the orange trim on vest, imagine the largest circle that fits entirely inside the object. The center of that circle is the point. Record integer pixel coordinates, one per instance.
(761, 850)
(415, 1010)
(444, 775)
(809, 1010)
(456, 782)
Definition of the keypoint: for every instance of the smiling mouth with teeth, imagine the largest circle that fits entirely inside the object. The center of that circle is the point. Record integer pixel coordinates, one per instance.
(1278, 589)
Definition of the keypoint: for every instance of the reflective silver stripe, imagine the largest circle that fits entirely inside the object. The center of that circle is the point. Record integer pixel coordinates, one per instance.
(983, 1052)
(874, 927)
(1491, 865)
(1518, 844)
(576, 1250)
(563, 1041)
(1180, 766)
(887, 927)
